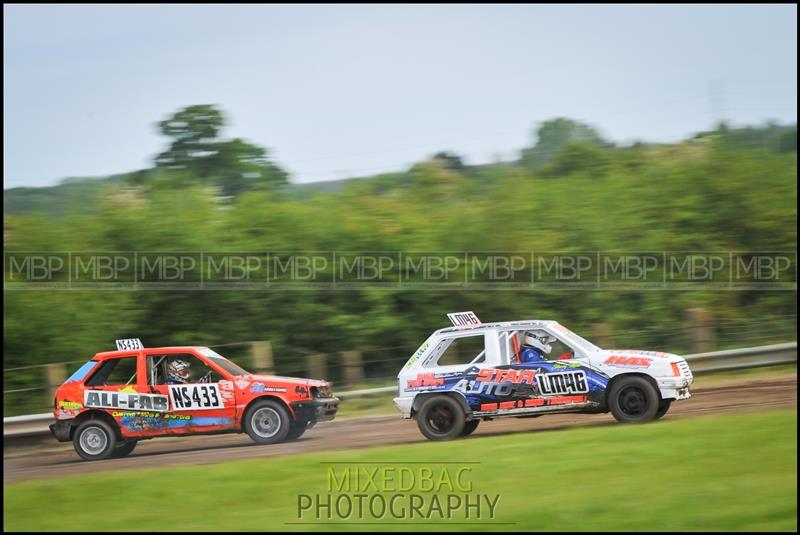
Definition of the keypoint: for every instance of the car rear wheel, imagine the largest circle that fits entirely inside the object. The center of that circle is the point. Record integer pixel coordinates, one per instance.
(296, 430)
(663, 407)
(469, 427)
(267, 422)
(633, 400)
(94, 440)
(124, 448)
(441, 418)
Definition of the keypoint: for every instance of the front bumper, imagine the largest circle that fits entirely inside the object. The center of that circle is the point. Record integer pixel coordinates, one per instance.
(61, 429)
(316, 410)
(676, 388)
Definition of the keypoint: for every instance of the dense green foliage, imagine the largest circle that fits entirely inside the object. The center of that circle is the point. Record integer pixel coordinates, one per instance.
(701, 195)
(712, 473)
(772, 136)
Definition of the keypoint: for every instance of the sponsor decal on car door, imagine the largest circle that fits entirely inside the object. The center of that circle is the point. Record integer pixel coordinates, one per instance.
(195, 406)
(199, 396)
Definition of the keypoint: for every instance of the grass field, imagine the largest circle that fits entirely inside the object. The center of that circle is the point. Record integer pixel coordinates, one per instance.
(717, 472)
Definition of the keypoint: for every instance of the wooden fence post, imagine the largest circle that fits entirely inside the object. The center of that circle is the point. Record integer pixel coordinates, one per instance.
(701, 330)
(353, 369)
(316, 366)
(601, 332)
(55, 375)
(261, 353)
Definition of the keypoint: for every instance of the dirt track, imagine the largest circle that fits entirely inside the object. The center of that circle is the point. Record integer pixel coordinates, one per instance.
(60, 459)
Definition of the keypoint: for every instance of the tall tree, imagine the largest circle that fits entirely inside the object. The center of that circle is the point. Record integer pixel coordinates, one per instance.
(194, 133)
(552, 135)
(232, 165)
(449, 160)
(242, 166)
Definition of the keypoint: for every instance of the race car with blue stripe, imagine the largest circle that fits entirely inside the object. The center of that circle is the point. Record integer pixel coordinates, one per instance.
(473, 371)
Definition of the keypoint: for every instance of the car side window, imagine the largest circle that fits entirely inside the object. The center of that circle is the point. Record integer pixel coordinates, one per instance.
(560, 351)
(115, 372)
(179, 369)
(462, 350)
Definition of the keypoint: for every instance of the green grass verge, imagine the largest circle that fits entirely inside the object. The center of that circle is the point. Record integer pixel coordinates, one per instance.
(718, 472)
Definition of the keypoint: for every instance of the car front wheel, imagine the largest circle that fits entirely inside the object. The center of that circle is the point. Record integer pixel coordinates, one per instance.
(267, 422)
(296, 430)
(633, 400)
(94, 440)
(441, 418)
(124, 448)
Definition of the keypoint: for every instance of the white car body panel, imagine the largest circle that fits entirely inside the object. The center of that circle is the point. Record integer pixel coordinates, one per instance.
(673, 381)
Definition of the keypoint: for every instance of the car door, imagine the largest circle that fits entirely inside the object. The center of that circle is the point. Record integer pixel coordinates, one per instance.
(558, 381)
(509, 385)
(577, 381)
(202, 401)
(117, 386)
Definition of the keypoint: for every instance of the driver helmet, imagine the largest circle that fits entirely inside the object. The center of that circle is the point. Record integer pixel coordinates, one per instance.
(540, 340)
(179, 371)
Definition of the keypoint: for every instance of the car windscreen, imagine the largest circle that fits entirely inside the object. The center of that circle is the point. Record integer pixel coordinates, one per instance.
(582, 343)
(83, 371)
(223, 362)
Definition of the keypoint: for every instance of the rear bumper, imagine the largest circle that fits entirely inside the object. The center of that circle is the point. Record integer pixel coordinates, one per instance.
(61, 429)
(404, 405)
(317, 410)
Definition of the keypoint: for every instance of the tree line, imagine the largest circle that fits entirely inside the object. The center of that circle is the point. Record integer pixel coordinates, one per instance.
(570, 190)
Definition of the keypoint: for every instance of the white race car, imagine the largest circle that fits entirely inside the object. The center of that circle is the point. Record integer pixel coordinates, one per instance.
(474, 371)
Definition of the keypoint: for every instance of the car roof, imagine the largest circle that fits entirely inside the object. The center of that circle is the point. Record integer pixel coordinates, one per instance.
(166, 349)
(518, 324)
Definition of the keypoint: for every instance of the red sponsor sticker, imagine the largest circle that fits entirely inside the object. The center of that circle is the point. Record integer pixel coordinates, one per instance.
(566, 399)
(633, 362)
(425, 379)
(506, 375)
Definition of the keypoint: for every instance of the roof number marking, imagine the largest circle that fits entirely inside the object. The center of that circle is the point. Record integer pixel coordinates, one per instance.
(129, 343)
(464, 319)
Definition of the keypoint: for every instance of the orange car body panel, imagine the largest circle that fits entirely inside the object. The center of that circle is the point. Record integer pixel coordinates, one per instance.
(142, 410)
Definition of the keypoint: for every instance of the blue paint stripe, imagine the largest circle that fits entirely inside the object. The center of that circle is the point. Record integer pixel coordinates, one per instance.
(82, 372)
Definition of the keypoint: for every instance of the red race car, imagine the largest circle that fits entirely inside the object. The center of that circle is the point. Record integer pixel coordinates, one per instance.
(121, 397)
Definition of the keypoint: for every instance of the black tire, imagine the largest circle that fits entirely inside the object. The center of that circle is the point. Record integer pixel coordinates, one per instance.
(296, 430)
(267, 422)
(469, 427)
(94, 440)
(633, 400)
(124, 448)
(441, 418)
(663, 407)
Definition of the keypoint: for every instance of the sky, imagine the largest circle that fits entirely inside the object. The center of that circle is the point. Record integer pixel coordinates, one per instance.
(335, 91)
